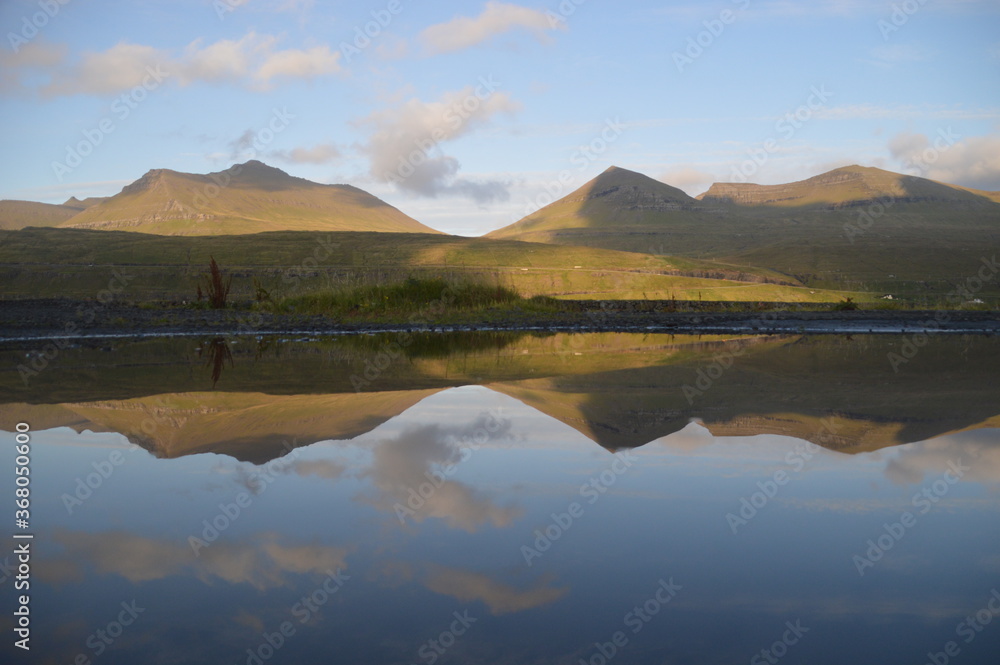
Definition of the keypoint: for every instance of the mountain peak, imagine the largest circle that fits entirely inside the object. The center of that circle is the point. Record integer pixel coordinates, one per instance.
(256, 166)
(635, 188)
(149, 180)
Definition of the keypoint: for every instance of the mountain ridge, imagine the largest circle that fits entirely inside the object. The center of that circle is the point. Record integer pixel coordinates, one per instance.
(853, 228)
(855, 185)
(245, 198)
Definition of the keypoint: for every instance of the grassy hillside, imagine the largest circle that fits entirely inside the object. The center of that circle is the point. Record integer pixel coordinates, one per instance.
(246, 198)
(20, 214)
(80, 263)
(854, 228)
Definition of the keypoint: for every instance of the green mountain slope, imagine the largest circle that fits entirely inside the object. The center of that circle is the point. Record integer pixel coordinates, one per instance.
(246, 198)
(853, 227)
(20, 214)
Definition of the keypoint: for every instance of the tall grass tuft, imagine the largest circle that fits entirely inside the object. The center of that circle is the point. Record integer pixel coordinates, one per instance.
(216, 286)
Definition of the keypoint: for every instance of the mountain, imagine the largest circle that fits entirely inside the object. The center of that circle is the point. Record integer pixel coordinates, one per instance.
(20, 214)
(250, 427)
(616, 203)
(853, 227)
(73, 202)
(847, 187)
(246, 198)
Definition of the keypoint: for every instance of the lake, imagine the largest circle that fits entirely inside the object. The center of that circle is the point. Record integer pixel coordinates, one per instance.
(508, 498)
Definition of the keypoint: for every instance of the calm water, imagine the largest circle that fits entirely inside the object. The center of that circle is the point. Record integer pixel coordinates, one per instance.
(511, 499)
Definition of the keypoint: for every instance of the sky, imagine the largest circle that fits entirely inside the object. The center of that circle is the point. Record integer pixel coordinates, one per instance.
(469, 115)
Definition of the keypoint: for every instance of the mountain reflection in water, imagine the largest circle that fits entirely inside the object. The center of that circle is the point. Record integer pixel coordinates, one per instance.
(514, 498)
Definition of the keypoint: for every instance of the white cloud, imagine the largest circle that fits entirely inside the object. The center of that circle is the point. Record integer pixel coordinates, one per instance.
(264, 562)
(466, 586)
(225, 60)
(391, 47)
(121, 67)
(921, 462)
(971, 162)
(295, 6)
(320, 154)
(320, 468)
(253, 61)
(497, 18)
(405, 146)
(298, 64)
(402, 465)
(28, 59)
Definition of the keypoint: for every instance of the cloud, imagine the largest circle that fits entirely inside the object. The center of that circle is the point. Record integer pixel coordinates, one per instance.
(121, 67)
(971, 162)
(392, 47)
(298, 64)
(254, 61)
(295, 6)
(320, 468)
(405, 145)
(30, 58)
(466, 586)
(402, 465)
(930, 459)
(224, 61)
(263, 563)
(320, 154)
(497, 18)
(241, 145)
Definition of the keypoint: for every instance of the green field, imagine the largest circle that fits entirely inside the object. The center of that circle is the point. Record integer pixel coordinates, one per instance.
(81, 263)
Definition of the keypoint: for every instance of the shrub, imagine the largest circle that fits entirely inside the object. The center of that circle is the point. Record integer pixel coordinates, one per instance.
(845, 305)
(216, 286)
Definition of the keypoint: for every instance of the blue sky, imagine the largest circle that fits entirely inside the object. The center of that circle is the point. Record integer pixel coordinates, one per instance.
(466, 115)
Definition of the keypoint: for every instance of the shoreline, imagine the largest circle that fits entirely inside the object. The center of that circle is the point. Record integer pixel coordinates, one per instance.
(24, 321)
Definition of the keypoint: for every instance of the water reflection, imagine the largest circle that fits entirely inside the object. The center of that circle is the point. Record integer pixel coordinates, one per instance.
(390, 524)
(217, 353)
(619, 390)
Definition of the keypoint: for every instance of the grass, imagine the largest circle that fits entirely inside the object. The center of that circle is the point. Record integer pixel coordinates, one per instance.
(415, 295)
(80, 264)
